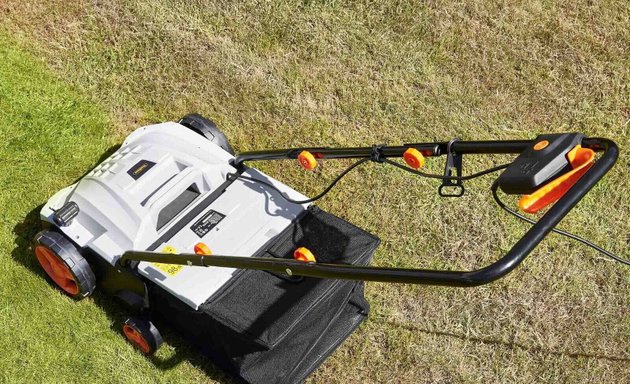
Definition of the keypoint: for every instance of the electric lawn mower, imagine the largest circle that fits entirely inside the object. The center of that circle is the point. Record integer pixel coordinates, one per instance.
(180, 229)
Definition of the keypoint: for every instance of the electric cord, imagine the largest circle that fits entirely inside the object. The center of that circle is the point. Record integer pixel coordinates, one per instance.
(317, 197)
(570, 235)
(494, 189)
(356, 164)
(508, 209)
(442, 177)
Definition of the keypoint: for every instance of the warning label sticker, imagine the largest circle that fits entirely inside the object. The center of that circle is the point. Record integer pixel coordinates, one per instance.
(169, 269)
(206, 222)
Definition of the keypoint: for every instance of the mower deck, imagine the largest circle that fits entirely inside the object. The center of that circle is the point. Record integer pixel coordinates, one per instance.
(239, 221)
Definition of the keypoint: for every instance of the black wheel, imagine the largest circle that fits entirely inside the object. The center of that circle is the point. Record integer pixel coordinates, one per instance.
(208, 129)
(63, 263)
(143, 335)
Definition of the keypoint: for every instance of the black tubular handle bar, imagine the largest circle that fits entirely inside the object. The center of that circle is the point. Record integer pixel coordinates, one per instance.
(485, 275)
(427, 149)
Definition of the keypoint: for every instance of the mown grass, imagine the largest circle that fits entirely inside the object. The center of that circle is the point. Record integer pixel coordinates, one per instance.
(276, 74)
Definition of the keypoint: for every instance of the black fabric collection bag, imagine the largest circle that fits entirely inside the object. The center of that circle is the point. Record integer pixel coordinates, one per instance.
(266, 328)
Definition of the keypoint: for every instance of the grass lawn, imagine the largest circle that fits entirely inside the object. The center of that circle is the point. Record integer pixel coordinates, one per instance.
(76, 77)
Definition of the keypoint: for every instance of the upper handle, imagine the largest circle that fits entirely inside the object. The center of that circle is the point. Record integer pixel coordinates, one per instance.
(484, 275)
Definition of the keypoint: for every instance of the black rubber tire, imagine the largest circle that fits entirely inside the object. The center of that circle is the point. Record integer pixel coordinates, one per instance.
(208, 129)
(147, 331)
(69, 255)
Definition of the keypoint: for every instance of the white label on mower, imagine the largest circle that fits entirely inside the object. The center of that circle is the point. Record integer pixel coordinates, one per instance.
(169, 269)
(208, 221)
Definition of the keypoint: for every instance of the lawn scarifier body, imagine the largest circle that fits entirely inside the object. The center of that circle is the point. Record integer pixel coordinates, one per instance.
(283, 280)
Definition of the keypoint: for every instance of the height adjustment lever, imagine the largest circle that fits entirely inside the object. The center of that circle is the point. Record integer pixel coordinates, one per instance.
(454, 187)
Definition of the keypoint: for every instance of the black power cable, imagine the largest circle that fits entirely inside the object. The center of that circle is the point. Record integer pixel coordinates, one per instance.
(290, 200)
(353, 166)
(570, 235)
(433, 176)
(494, 189)
(511, 211)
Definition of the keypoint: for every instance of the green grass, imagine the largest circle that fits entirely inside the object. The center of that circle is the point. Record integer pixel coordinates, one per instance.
(51, 135)
(75, 78)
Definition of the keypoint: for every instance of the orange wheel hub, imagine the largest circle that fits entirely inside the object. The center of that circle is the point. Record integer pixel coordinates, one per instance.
(136, 338)
(57, 269)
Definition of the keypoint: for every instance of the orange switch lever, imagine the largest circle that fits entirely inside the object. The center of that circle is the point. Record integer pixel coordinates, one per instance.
(581, 160)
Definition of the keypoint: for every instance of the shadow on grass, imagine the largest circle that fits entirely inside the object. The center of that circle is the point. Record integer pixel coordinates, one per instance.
(117, 314)
(511, 344)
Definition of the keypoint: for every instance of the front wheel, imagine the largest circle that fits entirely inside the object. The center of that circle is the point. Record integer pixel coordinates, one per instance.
(64, 265)
(143, 335)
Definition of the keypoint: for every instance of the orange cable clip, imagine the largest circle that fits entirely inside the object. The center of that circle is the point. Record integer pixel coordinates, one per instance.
(413, 158)
(307, 160)
(304, 254)
(202, 249)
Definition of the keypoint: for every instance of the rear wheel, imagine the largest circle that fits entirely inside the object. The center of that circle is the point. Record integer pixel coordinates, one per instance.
(63, 263)
(143, 335)
(208, 129)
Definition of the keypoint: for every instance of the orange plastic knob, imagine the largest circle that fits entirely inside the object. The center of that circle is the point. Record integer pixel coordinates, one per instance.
(202, 249)
(303, 254)
(307, 160)
(413, 158)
